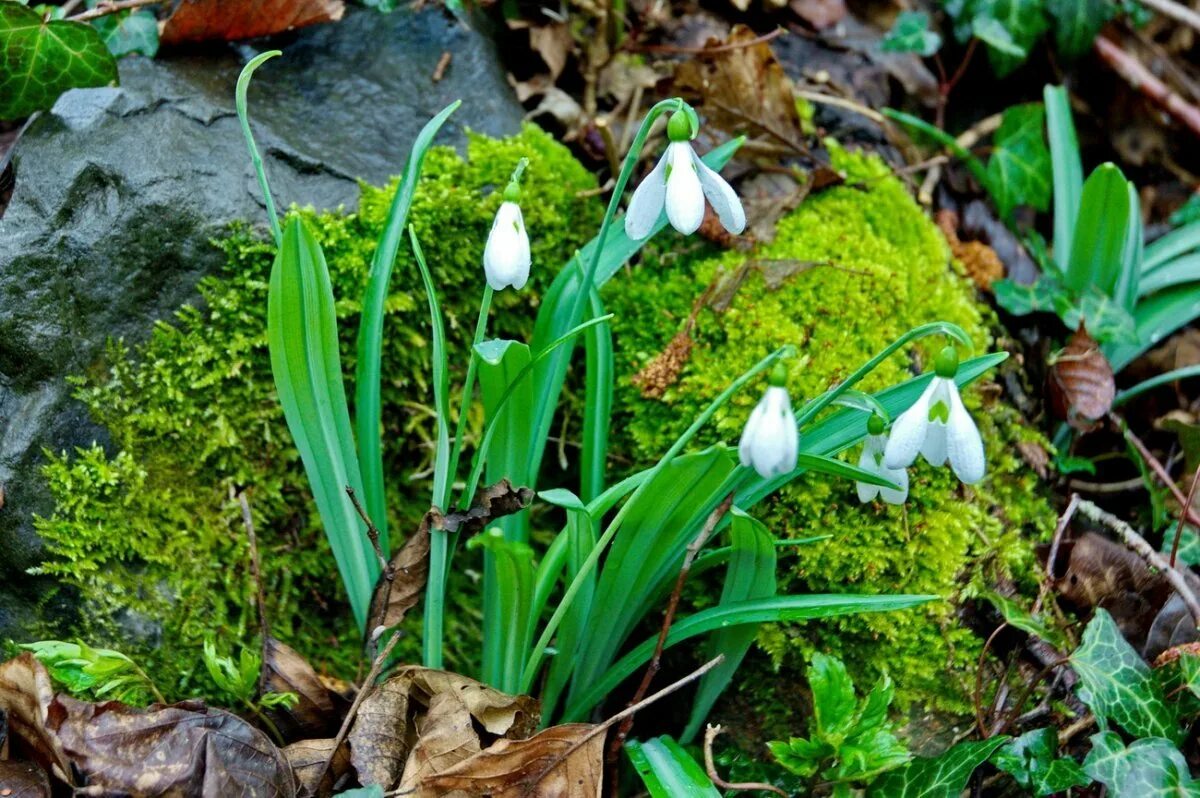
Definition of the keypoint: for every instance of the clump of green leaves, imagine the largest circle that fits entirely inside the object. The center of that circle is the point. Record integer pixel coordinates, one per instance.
(1032, 760)
(97, 673)
(238, 679)
(849, 741)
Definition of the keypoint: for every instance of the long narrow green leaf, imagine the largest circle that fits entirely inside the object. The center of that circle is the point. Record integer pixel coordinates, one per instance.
(367, 404)
(668, 771)
(1066, 169)
(973, 164)
(597, 405)
(836, 468)
(750, 575)
(1155, 318)
(1181, 270)
(1175, 243)
(1185, 373)
(1104, 225)
(755, 611)
(243, 83)
(512, 562)
(305, 362)
(1128, 287)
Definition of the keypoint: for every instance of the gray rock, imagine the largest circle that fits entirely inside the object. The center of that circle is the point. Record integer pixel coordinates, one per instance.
(119, 192)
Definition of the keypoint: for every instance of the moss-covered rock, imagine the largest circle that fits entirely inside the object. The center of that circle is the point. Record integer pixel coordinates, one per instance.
(848, 272)
(150, 533)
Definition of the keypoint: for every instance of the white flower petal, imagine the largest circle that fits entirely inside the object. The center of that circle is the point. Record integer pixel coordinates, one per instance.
(908, 433)
(771, 438)
(900, 477)
(746, 445)
(963, 444)
(506, 254)
(722, 196)
(647, 203)
(867, 462)
(934, 447)
(685, 197)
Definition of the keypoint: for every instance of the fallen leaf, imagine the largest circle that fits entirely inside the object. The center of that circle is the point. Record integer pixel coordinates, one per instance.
(981, 262)
(285, 671)
(562, 760)
(26, 695)
(820, 14)
(1035, 456)
(554, 44)
(307, 759)
(233, 20)
(445, 737)
(23, 780)
(1080, 382)
(741, 87)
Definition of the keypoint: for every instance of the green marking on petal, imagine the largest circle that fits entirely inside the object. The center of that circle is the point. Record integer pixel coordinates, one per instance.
(939, 411)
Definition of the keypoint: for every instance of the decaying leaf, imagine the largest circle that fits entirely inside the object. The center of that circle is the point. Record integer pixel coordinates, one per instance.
(741, 87)
(307, 759)
(982, 263)
(233, 20)
(23, 780)
(554, 44)
(559, 761)
(820, 14)
(1035, 456)
(114, 749)
(1080, 382)
(386, 727)
(446, 736)
(285, 671)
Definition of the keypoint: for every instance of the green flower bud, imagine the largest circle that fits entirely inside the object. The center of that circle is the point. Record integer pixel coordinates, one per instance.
(512, 192)
(679, 127)
(946, 363)
(778, 378)
(875, 424)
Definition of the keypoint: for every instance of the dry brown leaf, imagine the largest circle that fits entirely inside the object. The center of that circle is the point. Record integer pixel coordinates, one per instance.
(554, 44)
(1035, 456)
(663, 371)
(742, 88)
(445, 737)
(982, 263)
(547, 765)
(1080, 382)
(285, 671)
(26, 696)
(307, 759)
(233, 20)
(820, 14)
(23, 780)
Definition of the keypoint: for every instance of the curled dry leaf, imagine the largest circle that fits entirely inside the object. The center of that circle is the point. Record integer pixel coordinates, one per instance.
(561, 760)
(26, 696)
(307, 759)
(820, 14)
(1080, 382)
(388, 720)
(982, 263)
(445, 737)
(232, 20)
(285, 671)
(23, 780)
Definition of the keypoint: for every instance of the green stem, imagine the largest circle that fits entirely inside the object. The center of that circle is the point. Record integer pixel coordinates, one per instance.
(468, 388)
(539, 649)
(243, 82)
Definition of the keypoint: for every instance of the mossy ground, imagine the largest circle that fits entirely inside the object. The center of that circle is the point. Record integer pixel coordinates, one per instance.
(150, 528)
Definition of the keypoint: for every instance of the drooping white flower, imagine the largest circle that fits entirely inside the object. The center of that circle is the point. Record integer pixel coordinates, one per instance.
(939, 427)
(771, 438)
(872, 460)
(680, 183)
(506, 256)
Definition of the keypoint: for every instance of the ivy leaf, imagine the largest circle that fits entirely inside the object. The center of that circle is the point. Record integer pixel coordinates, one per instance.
(129, 32)
(1077, 22)
(911, 34)
(1021, 300)
(944, 776)
(1031, 760)
(1117, 684)
(1017, 616)
(1148, 768)
(40, 59)
(1009, 28)
(1104, 317)
(1019, 169)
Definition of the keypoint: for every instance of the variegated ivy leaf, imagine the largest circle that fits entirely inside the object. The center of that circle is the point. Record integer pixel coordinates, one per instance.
(1017, 616)
(1019, 169)
(911, 34)
(1116, 683)
(1032, 760)
(940, 777)
(1149, 768)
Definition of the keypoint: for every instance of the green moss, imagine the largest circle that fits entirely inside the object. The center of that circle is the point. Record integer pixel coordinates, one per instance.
(878, 268)
(147, 530)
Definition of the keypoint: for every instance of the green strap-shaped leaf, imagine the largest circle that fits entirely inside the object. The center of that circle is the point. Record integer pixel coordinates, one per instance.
(40, 59)
(944, 776)
(1104, 225)
(1067, 170)
(668, 771)
(597, 409)
(1116, 683)
(305, 362)
(1148, 768)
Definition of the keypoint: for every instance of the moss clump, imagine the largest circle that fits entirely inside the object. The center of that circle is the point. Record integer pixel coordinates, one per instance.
(148, 531)
(866, 265)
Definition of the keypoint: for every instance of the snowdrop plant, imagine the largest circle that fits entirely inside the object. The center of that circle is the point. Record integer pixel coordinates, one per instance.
(679, 184)
(506, 257)
(872, 461)
(771, 438)
(938, 427)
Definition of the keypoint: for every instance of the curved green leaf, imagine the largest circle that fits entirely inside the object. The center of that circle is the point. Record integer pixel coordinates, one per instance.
(944, 776)
(668, 771)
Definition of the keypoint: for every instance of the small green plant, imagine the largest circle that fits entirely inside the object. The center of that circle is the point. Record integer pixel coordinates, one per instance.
(98, 673)
(239, 683)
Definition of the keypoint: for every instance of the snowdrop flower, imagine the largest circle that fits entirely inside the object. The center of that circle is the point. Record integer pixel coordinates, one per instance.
(872, 460)
(939, 427)
(771, 437)
(506, 255)
(680, 182)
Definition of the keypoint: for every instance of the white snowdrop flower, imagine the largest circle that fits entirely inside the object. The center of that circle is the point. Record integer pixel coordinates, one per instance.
(680, 183)
(939, 427)
(771, 438)
(872, 460)
(506, 256)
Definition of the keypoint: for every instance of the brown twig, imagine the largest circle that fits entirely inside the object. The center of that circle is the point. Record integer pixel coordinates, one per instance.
(103, 9)
(1030, 686)
(443, 63)
(259, 594)
(710, 767)
(967, 139)
(372, 534)
(668, 49)
(1159, 470)
(1183, 516)
(1052, 557)
(367, 686)
(1139, 77)
(1176, 11)
(624, 714)
(693, 549)
(1133, 540)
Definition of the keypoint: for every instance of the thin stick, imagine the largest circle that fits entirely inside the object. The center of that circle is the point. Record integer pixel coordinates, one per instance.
(363, 692)
(104, 9)
(1139, 77)
(1052, 557)
(622, 715)
(1175, 11)
(710, 767)
(693, 549)
(1183, 515)
(1136, 542)
(372, 534)
(843, 103)
(968, 139)
(1159, 470)
(667, 49)
(260, 595)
